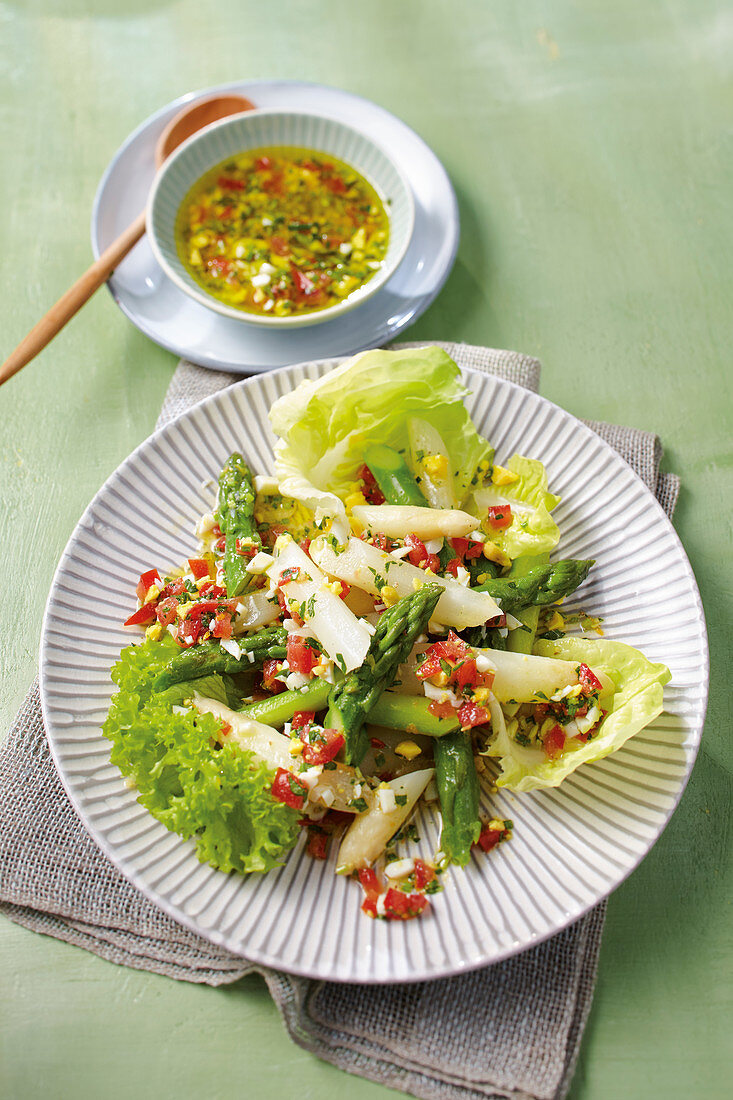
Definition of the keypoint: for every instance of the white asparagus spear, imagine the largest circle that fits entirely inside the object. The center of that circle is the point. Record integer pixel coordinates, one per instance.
(397, 520)
(367, 567)
(525, 678)
(343, 636)
(368, 835)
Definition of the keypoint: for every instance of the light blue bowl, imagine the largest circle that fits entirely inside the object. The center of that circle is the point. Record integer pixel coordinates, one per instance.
(264, 129)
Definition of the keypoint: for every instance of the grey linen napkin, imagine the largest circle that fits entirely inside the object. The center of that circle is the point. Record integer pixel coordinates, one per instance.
(509, 1030)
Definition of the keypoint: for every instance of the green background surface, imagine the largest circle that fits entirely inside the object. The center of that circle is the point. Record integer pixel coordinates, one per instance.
(590, 148)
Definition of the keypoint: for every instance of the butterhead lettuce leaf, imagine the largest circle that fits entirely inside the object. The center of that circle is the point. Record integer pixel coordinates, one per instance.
(532, 530)
(325, 425)
(636, 702)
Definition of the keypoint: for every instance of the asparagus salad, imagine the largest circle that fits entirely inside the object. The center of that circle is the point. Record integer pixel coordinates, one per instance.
(375, 625)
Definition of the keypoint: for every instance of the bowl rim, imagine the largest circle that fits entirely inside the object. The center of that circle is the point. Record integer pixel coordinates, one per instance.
(361, 294)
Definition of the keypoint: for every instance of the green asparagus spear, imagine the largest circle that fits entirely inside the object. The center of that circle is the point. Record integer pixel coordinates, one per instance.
(411, 713)
(208, 657)
(521, 641)
(353, 698)
(541, 585)
(393, 476)
(279, 709)
(458, 789)
(235, 516)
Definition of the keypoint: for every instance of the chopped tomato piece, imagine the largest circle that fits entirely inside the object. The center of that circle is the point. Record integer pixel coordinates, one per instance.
(418, 554)
(449, 649)
(219, 265)
(302, 719)
(166, 610)
(144, 614)
(301, 656)
(221, 625)
(554, 741)
(262, 164)
(175, 587)
(228, 184)
(303, 284)
(442, 710)
(321, 746)
(424, 874)
(146, 579)
(453, 566)
(211, 591)
(399, 906)
(588, 680)
(370, 883)
(199, 568)
(279, 246)
(499, 516)
(290, 574)
(317, 843)
(369, 907)
(470, 715)
(287, 788)
(271, 677)
(489, 838)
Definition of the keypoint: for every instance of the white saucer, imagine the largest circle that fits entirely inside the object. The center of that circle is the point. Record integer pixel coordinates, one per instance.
(169, 317)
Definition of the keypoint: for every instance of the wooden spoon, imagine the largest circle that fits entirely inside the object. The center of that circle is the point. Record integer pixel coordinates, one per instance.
(192, 118)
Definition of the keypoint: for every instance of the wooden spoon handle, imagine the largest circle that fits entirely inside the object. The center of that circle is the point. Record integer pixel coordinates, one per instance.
(72, 300)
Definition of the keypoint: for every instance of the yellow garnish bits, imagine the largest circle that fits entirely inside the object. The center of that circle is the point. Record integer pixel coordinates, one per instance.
(435, 465)
(556, 622)
(389, 595)
(502, 476)
(408, 749)
(493, 553)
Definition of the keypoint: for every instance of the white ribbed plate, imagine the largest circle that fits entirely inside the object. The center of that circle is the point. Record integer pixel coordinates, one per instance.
(571, 846)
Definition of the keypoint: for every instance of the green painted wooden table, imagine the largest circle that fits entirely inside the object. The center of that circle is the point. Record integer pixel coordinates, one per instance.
(588, 148)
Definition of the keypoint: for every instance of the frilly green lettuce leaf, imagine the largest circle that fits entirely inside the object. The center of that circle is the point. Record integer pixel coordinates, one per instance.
(325, 425)
(532, 530)
(220, 798)
(636, 702)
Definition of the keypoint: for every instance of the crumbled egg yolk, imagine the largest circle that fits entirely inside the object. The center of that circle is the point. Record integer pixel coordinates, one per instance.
(556, 622)
(389, 595)
(408, 749)
(435, 465)
(493, 553)
(154, 631)
(502, 476)
(295, 747)
(333, 586)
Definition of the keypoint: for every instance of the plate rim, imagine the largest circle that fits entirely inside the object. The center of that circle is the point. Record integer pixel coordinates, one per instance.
(262, 958)
(386, 331)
